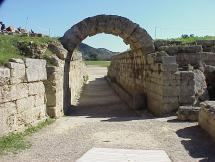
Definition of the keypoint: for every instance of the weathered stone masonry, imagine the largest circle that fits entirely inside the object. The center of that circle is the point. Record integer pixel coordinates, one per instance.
(54, 84)
(151, 80)
(163, 79)
(22, 97)
(31, 90)
(175, 78)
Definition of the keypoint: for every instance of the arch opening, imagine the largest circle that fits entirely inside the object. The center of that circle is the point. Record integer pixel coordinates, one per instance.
(107, 41)
(130, 32)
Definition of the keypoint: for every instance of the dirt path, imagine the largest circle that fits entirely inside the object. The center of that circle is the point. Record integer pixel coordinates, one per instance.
(102, 120)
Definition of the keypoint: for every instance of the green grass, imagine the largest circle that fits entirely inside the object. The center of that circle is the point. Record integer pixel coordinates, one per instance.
(98, 63)
(15, 142)
(8, 44)
(193, 39)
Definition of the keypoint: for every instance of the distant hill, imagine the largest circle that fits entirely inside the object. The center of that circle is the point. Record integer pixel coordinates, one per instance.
(90, 53)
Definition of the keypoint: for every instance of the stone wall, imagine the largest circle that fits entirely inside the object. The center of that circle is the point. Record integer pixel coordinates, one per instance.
(31, 91)
(195, 54)
(22, 97)
(156, 82)
(151, 80)
(55, 83)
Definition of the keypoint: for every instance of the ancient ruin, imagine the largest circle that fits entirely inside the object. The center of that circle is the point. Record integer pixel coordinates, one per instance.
(162, 77)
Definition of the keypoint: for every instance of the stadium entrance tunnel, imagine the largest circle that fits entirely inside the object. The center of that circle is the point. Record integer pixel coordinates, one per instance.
(130, 32)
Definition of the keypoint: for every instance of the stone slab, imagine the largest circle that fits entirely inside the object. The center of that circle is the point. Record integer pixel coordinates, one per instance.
(169, 60)
(188, 113)
(35, 70)
(124, 155)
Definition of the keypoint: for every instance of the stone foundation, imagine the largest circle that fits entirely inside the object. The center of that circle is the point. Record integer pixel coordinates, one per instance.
(22, 97)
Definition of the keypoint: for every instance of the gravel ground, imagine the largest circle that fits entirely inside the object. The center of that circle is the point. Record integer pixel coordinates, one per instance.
(101, 119)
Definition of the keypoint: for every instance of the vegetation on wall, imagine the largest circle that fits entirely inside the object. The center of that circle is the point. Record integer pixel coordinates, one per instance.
(9, 43)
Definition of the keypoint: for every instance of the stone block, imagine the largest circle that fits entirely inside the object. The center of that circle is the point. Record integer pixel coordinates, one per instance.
(25, 104)
(58, 50)
(4, 128)
(9, 108)
(184, 59)
(207, 117)
(206, 42)
(35, 70)
(39, 100)
(169, 59)
(17, 71)
(150, 58)
(159, 43)
(19, 91)
(36, 88)
(169, 67)
(187, 77)
(186, 99)
(13, 92)
(55, 112)
(54, 98)
(171, 50)
(190, 49)
(34, 115)
(188, 113)
(201, 92)
(4, 76)
(8, 118)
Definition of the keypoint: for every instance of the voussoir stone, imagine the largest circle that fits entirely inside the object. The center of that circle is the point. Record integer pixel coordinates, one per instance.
(136, 36)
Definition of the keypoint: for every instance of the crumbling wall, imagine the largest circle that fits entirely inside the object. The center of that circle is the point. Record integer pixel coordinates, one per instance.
(22, 97)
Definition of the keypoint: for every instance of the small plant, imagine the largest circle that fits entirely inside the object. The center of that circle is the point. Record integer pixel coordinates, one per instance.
(13, 143)
(16, 142)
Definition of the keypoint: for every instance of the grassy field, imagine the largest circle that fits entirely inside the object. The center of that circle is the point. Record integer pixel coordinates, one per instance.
(98, 63)
(16, 142)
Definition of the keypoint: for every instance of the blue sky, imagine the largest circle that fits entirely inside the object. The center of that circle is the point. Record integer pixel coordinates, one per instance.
(171, 17)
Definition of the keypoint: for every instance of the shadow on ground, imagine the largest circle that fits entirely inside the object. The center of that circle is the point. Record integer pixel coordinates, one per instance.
(98, 100)
(197, 143)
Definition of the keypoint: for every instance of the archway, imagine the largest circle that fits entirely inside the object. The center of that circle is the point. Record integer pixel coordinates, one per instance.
(130, 32)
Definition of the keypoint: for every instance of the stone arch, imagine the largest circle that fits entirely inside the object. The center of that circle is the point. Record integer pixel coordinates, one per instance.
(130, 32)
